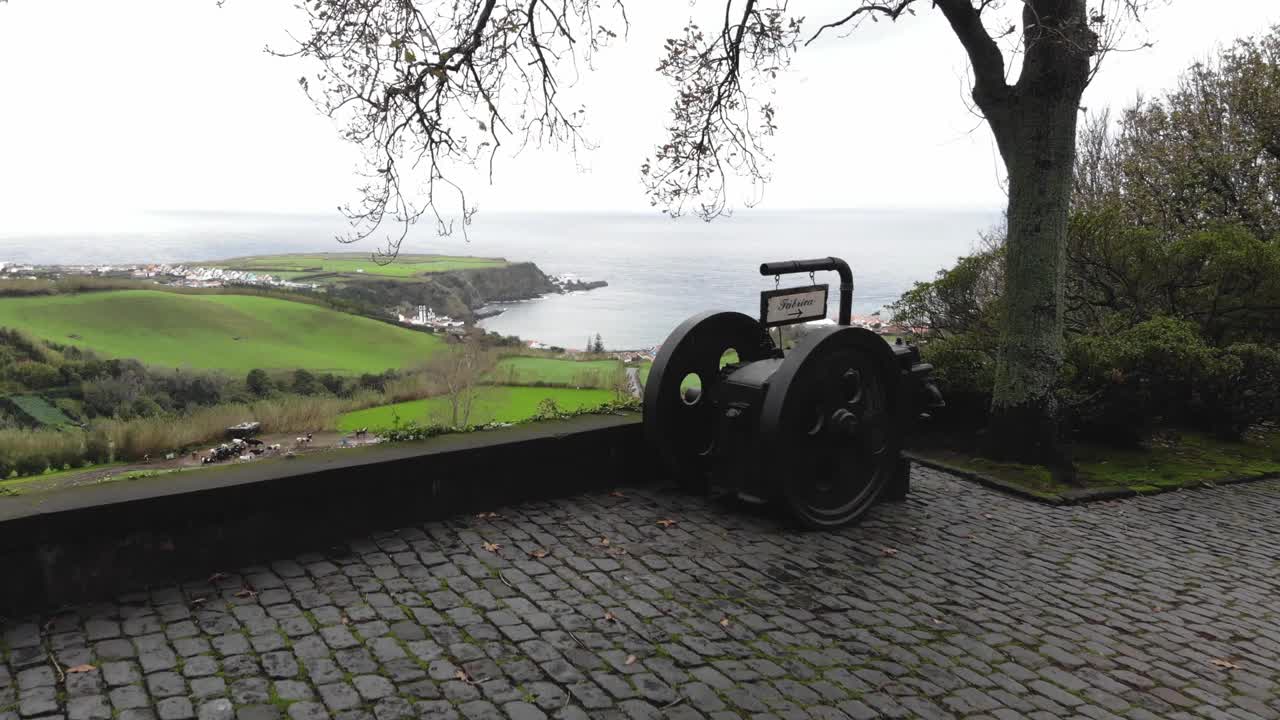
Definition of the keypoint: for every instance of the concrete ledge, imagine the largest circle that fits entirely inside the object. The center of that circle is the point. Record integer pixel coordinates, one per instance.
(94, 542)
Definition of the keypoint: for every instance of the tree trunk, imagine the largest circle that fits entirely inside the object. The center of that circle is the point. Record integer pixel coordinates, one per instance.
(1037, 138)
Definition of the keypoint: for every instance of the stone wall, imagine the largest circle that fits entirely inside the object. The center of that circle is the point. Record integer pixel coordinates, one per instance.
(97, 541)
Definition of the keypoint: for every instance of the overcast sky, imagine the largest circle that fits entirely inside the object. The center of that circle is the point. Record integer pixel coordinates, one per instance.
(172, 104)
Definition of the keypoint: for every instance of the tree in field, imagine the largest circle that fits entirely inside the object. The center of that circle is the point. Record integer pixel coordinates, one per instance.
(459, 369)
(304, 383)
(258, 382)
(425, 87)
(598, 345)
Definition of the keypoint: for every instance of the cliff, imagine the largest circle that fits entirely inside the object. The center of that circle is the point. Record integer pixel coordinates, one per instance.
(458, 293)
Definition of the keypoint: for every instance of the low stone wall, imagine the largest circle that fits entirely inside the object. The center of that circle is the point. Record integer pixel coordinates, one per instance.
(94, 542)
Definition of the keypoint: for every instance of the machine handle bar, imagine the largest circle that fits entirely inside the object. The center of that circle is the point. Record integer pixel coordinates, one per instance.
(787, 267)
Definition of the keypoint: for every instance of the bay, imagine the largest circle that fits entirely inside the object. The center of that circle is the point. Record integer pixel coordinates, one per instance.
(659, 270)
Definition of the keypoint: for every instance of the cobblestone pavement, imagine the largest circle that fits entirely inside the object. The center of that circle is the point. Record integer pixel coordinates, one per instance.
(959, 602)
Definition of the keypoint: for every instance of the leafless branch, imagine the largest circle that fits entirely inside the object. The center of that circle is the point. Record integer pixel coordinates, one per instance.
(431, 88)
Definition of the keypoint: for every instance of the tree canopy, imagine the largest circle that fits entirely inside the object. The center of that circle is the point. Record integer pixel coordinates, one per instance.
(430, 87)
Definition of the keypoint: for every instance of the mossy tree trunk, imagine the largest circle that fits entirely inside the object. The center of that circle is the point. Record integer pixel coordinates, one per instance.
(1034, 124)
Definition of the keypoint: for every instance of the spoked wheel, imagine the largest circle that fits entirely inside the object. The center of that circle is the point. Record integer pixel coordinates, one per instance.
(828, 425)
(679, 418)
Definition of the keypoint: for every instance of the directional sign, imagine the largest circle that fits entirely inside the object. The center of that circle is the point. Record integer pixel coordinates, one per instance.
(793, 305)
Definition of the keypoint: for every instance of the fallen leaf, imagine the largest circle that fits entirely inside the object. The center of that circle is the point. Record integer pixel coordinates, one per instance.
(618, 493)
(538, 553)
(487, 516)
(492, 547)
(217, 577)
(631, 660)
(82, 668)
(889, 551)
(345, 620)
(666, 522)
(199, 600)
(464, 677)
(937, 621)
(1227, 664)
(617, 551)
(724, 622)
(610, 617)
(604, 541)
(987, 516)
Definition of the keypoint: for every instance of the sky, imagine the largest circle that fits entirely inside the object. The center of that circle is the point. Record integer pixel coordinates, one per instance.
(144, 105)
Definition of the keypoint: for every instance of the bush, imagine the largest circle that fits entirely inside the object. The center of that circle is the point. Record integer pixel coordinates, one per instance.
(1243, 391)
(32, 464)
(965, 371)
(1119, 385)
(258, 382)
(36, 375)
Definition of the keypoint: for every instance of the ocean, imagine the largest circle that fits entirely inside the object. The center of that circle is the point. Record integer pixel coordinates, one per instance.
(659, 270)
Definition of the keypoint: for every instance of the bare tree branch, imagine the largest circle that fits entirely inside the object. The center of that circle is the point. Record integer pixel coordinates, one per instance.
(716, 125)
(431, 88)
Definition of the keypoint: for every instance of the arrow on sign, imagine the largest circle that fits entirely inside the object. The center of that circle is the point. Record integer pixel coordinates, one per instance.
(796, 314)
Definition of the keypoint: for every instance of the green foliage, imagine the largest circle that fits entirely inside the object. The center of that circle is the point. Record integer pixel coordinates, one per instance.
(548, 408)
(1162, 372)
(1224, 279)
(36, 375)
(961, 299)
(1205, 154)
(258, 383)
(1172, 290)
(304, 383)
(964, 369)
(1244, 391)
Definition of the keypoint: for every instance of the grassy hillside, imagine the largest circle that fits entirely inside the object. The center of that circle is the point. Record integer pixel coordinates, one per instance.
(294, 266)
(229, 332)
(530, 370)
(494, 404)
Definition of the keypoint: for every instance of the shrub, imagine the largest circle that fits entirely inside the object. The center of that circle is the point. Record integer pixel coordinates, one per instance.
(258, 382)
(1243, 390)
(1119, 385)
(964, 369)
(36, 375)
(548, 409)
(31, 464)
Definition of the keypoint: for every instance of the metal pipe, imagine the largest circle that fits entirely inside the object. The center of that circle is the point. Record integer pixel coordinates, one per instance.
(788, 267)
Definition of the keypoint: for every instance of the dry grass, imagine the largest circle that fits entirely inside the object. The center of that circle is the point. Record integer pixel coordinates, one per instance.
(30, 452)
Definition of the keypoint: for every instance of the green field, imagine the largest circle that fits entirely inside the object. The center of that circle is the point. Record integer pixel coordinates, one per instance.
(228, 332)
(292, 267)
(495, 403)
(529, 370)
(38, 410)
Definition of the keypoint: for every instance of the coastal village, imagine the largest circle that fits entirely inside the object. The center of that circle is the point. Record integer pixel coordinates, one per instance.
(179, 275)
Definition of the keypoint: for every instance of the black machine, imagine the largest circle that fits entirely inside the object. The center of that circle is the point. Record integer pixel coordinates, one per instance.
(818, 428)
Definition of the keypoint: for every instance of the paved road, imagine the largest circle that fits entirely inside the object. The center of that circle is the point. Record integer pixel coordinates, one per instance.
(959, 602)
(633, 381)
